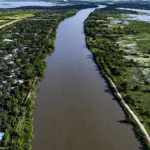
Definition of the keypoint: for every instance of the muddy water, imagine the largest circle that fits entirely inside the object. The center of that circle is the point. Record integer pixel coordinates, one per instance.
(75, 108)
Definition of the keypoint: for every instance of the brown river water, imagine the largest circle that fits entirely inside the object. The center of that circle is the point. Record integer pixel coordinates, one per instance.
(75, 108)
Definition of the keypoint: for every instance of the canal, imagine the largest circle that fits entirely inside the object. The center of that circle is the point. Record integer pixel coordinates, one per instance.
(75, 108)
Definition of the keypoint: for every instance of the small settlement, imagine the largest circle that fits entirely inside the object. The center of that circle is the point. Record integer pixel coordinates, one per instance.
(23, 47)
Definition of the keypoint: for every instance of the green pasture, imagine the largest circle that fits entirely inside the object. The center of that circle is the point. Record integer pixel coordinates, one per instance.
(18, 16)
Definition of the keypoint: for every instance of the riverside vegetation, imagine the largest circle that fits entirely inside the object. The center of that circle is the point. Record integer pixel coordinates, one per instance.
(23, 47)
(120, 47)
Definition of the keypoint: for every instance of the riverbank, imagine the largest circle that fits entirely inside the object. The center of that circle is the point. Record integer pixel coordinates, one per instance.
(131, 112)
(113, 61)
(20, 105)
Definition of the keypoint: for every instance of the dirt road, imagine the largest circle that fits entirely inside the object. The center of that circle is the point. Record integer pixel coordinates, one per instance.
(131, 112)
(9, 23)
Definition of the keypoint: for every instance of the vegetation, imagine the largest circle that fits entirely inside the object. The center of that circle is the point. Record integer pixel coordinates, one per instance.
(7, 15)
(121, 51)
(120, 47)
(23, 48)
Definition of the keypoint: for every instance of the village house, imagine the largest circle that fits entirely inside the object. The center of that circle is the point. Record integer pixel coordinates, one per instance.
(4, 81)
(18, 81)
(8, 40)
(13, 70)
(7, 57)
(10, 76)
(11, 62)
(10, 89)
(1, 134)
(15, 50)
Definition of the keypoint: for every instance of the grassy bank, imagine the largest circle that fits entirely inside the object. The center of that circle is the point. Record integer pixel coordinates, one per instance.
(113, 42)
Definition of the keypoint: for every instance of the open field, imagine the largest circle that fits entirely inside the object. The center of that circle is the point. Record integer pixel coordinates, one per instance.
(15, 17)
(2, 22)
(7, 16)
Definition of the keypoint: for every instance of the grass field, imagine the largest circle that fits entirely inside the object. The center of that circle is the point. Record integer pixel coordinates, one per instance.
(4, 21)
(18, 16)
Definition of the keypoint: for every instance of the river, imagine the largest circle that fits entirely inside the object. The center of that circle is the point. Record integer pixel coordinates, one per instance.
(75, 108)
(9, 4)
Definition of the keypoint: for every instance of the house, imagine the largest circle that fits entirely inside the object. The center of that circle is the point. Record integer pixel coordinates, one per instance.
(28, 60)
(9, 90)
(5, 57)
(25, 48)
(4, 82)
(34, 34)
(127, 58)
(15, 50)
(13, 70)
(9, 55)
(8, 40)
(19, 81)
(10, 76)
(11, 62)
(110, 18)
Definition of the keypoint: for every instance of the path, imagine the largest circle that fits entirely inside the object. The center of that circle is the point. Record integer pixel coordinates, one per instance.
(10, 23)
(131, 112)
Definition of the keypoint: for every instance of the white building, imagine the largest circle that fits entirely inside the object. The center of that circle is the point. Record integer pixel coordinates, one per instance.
(4, 82)
(10, 55)
(7, 57)
(1, 134)
(13, 70)
(10, 76)
(11, 62)
(8, 40)
(15, 50)
(19, 81)
(9, 90)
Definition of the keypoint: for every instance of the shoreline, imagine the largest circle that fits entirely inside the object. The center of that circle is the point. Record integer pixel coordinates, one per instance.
(140, 130)
(143, 129)
(29, 94)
